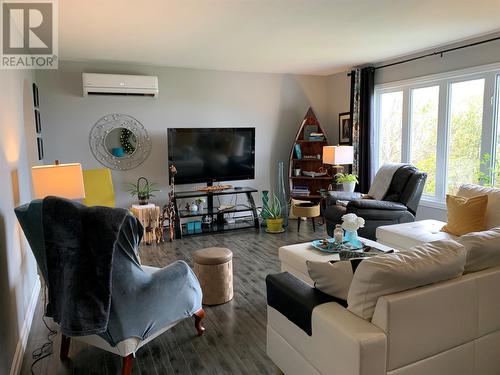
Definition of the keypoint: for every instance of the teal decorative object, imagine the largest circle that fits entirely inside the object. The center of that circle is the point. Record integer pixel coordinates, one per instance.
(265, 205)
(351, 237)
(281, 193)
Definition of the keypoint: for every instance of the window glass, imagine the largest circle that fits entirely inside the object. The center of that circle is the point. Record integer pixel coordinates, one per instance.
(464, 133)
(424, 125)
(390, 127)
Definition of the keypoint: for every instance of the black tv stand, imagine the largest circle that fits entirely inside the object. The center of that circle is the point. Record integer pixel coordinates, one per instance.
(217, 221)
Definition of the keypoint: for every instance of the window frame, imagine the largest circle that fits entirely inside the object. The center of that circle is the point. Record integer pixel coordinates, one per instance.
(489, 132)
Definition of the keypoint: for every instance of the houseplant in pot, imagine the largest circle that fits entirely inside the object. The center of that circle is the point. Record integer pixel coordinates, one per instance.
(143, 192)
(272, 214)
(347, 180)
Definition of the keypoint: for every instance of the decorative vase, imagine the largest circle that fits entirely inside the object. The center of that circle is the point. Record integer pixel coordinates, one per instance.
(143, 199)
(281, 193)
(194, 207)
(265, 204)
(274, 225)
(349, 186)
(338, 234)
(351, 237)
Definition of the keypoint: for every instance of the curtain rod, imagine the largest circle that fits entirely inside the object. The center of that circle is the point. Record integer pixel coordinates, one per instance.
(436, 53)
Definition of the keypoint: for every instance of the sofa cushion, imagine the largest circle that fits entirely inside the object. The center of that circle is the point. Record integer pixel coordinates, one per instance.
(406, 235)
(391, 273)
(333, 277)
(465, 215)
(483, 249)
(493, 208)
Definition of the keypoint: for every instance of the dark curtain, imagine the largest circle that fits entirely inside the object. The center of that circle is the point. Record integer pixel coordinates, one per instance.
(362, 95)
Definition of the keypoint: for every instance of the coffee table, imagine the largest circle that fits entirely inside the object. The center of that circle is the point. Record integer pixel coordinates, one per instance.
(293, 257)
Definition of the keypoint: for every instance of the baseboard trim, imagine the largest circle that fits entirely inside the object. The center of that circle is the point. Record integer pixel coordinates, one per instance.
(25, 330)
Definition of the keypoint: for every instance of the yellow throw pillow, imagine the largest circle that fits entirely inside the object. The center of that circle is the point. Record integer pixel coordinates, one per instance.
(465, 215)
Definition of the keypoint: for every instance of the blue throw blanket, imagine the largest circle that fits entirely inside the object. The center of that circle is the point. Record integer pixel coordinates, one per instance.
(88, 257)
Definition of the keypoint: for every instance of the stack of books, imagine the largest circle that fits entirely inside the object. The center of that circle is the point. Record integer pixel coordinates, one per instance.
(300, 190)
(316, 137)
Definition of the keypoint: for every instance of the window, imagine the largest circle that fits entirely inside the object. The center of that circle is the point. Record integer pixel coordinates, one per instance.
(423, 128)
(446, 125)
(465, 124)
(391, 126)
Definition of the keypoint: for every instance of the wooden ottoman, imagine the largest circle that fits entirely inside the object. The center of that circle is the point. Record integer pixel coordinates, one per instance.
(308, 210)
(214, 268)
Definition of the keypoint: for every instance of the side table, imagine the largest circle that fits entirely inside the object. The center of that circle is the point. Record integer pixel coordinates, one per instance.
(149, 216)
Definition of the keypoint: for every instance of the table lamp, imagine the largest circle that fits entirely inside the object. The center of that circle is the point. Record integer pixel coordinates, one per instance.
(61, 180)
(338, 156)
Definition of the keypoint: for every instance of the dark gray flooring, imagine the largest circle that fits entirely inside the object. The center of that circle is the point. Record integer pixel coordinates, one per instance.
(235, 338)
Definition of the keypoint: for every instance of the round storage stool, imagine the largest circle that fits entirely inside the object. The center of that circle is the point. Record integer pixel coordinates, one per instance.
(309, 210)
(214, 268)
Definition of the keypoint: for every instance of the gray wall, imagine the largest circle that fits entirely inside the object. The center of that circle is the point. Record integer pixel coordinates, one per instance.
(339, 97)
(18, 274)
(272, 103)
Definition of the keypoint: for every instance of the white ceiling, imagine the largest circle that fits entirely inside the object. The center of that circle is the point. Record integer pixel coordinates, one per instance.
(276, 36)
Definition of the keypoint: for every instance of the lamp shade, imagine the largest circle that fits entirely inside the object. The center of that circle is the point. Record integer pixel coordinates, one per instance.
(338, 155)
(61, 180)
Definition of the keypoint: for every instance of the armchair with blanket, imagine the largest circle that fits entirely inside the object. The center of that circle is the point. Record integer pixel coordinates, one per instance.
(392, 199)
(98, 292)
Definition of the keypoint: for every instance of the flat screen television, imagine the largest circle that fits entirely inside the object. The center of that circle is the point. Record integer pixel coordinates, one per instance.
(211, 154)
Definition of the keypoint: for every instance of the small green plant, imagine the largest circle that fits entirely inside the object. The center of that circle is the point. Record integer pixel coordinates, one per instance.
(199, 201)
(273, 209)
(341, 178)
(486, 178)
(145, 191)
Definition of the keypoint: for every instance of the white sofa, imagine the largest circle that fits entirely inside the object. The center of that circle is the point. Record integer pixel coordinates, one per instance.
(447, 328)
(407, 235)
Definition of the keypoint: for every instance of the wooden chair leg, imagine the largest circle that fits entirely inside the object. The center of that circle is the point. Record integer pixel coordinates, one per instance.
(65, 342)
(298, 223)
(314, 224)
(128, 363)
(198, 316)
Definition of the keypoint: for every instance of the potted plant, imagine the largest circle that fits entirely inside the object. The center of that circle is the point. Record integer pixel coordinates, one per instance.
(273, 216)
(144, 192)
(347, 180)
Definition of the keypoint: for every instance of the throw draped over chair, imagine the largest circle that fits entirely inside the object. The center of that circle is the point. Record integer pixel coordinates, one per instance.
(145, 301)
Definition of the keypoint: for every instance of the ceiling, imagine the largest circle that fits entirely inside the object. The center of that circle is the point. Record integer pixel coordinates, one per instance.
(275, 36)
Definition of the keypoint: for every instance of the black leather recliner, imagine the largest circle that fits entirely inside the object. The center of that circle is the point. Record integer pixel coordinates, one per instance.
(399, 204)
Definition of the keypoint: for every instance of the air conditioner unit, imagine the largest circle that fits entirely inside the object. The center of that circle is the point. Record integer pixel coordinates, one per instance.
(119, 84)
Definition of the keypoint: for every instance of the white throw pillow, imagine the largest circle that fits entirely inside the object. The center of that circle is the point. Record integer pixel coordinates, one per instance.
(333, 277)
(391, 273)
(483, 249)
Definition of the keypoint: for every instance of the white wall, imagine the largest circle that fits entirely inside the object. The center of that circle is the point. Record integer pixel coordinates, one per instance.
(272, 103)
(18, 273)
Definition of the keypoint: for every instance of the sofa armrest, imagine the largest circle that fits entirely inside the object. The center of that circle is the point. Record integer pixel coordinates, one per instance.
(295, 299)
(334, 196)
(356, 346)
(371, 204)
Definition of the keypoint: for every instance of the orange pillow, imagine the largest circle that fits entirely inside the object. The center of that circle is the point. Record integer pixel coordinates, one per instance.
(465, 215)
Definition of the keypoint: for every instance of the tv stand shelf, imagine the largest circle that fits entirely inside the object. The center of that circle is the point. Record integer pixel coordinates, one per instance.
(218, 223)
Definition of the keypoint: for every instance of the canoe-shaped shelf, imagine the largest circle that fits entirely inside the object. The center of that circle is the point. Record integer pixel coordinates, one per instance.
(307, 155)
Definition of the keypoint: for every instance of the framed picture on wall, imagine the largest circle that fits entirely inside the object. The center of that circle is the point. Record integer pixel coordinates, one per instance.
(36, 99)
(38, 123)
(39, 142)
(345, 128)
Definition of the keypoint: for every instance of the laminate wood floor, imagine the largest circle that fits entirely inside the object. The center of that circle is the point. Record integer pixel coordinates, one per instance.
(235, 337)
